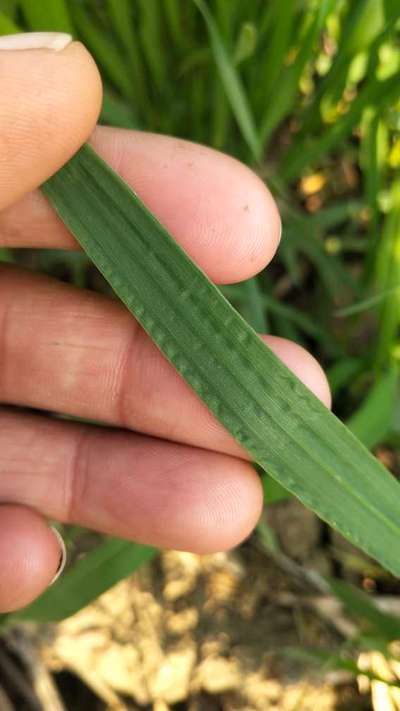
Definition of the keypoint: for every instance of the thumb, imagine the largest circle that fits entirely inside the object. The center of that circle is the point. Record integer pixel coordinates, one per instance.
(50, 97)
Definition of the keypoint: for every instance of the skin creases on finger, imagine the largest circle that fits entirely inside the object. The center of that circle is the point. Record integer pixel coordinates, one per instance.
(128, 485)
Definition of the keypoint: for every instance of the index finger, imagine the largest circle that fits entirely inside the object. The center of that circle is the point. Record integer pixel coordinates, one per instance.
(218, 209)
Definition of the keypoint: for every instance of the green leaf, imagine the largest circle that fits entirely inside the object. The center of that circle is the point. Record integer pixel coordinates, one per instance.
(335, 214)
(307, 153)
(6, 255)
(391, 9)
(267, 537)
(254, 307)
(278, 46)
(367, 26)
(99, 570)
(117, 113)
(282, 425)
(343, 372)
(283, 100)
(387, 277)
(120, 12)
(360, 605)
(273, 491)
(121, 16)
(7, 26)
(47, 15)
(327, 660)
(104, 49)
(174, 18)
(372, 423)
(232, 84)
(330, 269)
(151, 34)
(366, 304)
(307, 324)
(246, 42)
(9, 8)
(374, 151)
(333, 84)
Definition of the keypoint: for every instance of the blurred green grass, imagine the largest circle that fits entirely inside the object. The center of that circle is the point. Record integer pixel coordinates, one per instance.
(307, 93)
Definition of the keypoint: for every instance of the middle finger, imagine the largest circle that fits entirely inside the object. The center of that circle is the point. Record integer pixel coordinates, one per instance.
(82, 353)
(127, 484)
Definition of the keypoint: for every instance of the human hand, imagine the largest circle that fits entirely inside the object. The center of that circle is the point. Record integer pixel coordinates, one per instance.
(172, 476)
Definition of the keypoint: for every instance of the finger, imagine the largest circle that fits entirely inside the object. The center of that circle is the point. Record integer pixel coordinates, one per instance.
(30, 555)
(49, 102)
(303, 364)
(129, 485)
(88, 357)
(219, 210)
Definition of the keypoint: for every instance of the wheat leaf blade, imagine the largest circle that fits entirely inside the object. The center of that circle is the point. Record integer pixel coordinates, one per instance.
(90, 576)
(285, 429)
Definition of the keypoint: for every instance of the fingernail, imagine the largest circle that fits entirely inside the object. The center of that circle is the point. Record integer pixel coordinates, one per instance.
(63, 554)
(36, 40)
